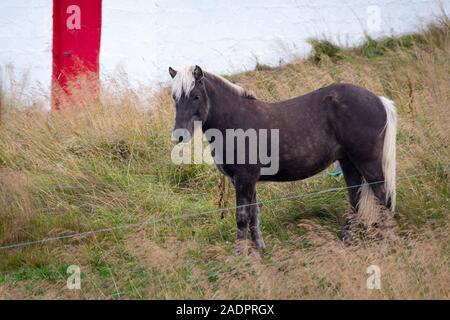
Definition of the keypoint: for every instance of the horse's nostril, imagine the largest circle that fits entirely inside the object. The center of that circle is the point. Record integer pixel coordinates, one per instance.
(180, 139)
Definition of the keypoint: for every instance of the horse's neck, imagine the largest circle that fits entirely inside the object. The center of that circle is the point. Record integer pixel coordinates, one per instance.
(222, 104)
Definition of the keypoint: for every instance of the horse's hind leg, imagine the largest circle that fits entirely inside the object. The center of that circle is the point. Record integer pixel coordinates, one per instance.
(353, 179)
(254, 226)
(372, 172)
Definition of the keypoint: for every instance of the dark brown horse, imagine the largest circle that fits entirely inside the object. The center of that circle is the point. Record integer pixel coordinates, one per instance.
(339, 122)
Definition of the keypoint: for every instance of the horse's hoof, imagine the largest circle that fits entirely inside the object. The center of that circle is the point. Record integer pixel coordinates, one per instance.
(257, 253)
(347, 237)
(240, 247)
(259, 244)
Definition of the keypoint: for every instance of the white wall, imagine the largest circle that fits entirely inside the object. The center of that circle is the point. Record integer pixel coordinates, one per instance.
(143, 37)
(227, 36)
(26, 44)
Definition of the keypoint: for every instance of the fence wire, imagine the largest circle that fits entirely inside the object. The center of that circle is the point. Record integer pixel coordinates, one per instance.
(202, 213)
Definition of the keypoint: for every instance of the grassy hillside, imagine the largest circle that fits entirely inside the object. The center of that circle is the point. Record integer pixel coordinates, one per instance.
(107, 164)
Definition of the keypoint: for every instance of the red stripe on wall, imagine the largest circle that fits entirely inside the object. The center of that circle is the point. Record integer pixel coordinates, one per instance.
(76, 47)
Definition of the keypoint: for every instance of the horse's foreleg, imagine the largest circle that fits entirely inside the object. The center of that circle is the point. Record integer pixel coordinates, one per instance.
(244, 195)
(254, 226)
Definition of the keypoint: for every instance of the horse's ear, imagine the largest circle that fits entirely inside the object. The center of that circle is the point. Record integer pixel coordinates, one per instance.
(198, 73)
(172, 72)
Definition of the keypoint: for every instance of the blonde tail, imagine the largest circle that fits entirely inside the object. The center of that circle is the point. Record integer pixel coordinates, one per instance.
(367, 205)
(389, 151)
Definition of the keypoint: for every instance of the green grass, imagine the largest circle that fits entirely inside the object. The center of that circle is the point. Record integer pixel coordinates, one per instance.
(49, 273)
(325, 48)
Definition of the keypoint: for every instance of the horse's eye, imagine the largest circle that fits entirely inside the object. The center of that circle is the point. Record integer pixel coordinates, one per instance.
(196, 97)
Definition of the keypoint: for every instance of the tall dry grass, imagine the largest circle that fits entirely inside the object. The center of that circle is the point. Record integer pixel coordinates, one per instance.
(106, 163)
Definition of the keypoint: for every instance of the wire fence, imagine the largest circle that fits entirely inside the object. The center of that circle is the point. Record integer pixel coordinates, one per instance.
(203, 213)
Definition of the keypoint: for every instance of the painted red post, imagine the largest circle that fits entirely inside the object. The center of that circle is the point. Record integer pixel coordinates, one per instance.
(76, 45)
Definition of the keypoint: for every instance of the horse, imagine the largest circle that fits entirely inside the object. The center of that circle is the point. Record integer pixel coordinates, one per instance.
(340, 122)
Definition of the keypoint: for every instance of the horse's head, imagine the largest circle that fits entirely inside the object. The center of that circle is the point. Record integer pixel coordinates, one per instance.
(191, 100)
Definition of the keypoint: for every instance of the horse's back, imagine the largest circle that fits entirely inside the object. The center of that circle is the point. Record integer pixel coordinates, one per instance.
(322, 126)
(342, 109)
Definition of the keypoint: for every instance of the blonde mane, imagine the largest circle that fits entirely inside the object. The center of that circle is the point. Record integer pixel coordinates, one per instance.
(184, 82)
